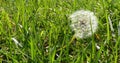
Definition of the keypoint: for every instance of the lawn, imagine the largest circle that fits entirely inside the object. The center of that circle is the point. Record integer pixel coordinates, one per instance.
(38, 31)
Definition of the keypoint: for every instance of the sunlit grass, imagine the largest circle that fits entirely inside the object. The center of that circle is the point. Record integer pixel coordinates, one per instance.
(42, 27)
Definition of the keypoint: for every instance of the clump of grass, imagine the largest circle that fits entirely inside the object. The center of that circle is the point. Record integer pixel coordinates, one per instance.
(42, 28)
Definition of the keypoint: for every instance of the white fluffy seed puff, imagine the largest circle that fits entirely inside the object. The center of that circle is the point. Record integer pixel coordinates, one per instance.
(83, 23)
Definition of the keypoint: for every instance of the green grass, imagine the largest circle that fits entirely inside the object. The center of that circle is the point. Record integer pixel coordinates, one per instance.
(46, 36)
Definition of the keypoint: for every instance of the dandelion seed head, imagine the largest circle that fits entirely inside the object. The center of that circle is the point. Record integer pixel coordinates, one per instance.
(82, 22)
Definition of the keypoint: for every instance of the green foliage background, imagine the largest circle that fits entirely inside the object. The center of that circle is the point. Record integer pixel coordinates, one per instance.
(45, 34)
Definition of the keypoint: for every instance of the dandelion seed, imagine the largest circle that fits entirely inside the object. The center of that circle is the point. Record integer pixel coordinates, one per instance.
(84, 23)
(119, 29)
(111, 26)
(16, 42)
(57, 55)
(20, 25)
(98, 47)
